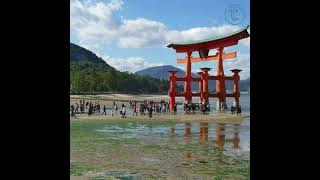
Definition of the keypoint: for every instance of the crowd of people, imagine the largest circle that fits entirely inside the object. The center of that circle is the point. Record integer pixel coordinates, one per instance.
(147, 107)
(203, 107)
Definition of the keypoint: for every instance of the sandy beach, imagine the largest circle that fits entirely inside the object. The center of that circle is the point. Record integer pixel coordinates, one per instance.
(216, 118)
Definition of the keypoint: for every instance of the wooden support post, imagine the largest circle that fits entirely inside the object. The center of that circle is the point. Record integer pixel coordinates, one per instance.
(172, 92)
(201, 86)
(205, 84)
(187, 87)
(220, 83)
(236, 78)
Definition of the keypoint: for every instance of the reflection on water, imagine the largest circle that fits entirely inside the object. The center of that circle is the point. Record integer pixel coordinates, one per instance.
(188, 139)
(236, 138)
(203, 132)
(185, 149)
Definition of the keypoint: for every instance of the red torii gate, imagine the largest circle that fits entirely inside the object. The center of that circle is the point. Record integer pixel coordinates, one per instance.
(203, 47)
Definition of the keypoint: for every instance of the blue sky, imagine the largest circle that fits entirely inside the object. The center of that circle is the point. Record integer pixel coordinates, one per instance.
(132, 35)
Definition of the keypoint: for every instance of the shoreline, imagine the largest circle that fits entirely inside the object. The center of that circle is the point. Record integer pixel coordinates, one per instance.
(107, 99)
(218, 118)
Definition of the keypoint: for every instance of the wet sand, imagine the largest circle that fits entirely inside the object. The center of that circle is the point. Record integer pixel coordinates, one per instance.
(116, 151)
(159, 150)
(218, 118)
(79, 178)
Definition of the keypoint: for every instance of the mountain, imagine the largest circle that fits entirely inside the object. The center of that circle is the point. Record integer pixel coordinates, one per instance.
(89, 73)
(78, 54)
(161, 72)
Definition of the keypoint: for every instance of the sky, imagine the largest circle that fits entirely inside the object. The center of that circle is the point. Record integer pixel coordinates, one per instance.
(132, 35)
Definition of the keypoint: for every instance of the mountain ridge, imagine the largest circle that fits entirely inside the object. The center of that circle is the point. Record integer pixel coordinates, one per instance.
(161, 72)
(90, 73)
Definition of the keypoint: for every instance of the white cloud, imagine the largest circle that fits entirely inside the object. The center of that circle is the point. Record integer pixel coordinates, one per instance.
(242, 61)
(141, 33)
(245, 42)
(98, 23)
(130, 64)
(199, 33)
(95, 22)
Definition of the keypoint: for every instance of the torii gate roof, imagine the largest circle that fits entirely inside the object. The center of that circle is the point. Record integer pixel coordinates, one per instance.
(211, 43)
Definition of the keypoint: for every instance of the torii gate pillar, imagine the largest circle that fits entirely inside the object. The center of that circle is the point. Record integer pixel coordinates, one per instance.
(220, 83)
(205, 82)
(187, 84)
(201, 86)
(236, 92)
(172, 92)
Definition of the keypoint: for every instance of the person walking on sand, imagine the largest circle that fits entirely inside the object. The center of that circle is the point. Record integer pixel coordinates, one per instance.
(111, 112)
(93, 107)
(123, 111)
(77, 108)
(98, 107)
(72, 111)
(104, 110)
(150, 110)
(90, 109)
(81, 107)
(116, 108)
(232, 109)
(239, 111)
(135, 109)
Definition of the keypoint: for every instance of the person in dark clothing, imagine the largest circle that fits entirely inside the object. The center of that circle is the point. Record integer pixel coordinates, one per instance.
(175, 109)
(141, 109)
(135, 109)
(72, 111)
(98, 107)
(104, 110)
(193, 107)
(116, 108)
(150, 110)
(90, 110)
(77, 108)
(87, 104)
(123, 111)
(239, 111)
(202, 108)
(81, 107)
(233, 109)
(208, 107)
